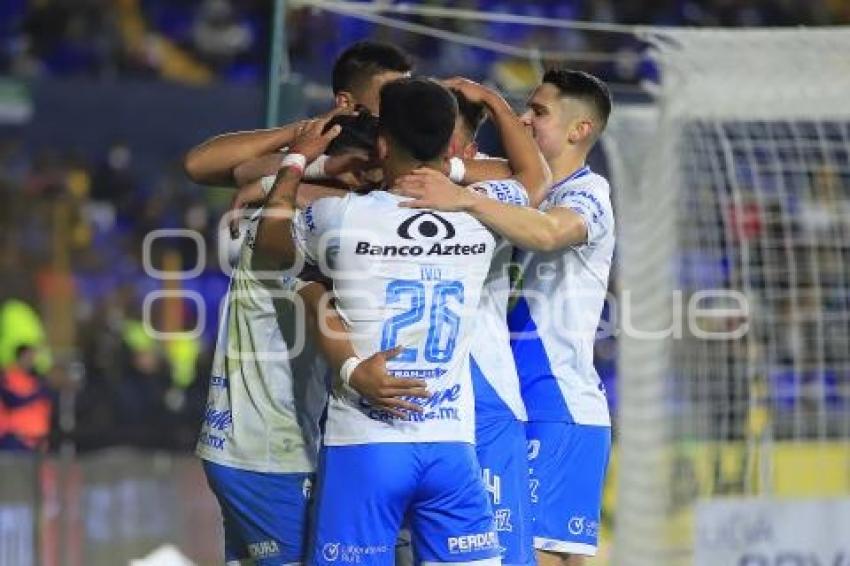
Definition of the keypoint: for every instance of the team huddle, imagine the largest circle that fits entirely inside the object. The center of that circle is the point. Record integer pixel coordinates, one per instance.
(374, 397)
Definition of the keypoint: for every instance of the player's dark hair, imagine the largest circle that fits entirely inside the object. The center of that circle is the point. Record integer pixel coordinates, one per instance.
(359, 132)
(472, 113)
(419, 115)
(363, 60)
(583, 86)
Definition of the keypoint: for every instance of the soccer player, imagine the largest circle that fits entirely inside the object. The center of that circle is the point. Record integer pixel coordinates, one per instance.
(236, 158)
(409, 279)
(259, 438)
(499, 410)
(569, 242)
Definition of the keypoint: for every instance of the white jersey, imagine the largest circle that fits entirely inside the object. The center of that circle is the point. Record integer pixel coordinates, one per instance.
(554, 323)
(402, 277)
(499, 397)
(266, 392)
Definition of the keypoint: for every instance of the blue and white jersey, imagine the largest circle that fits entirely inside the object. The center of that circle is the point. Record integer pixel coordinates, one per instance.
(499, 397)
(554, 323)
(402, 277)
(267, 391)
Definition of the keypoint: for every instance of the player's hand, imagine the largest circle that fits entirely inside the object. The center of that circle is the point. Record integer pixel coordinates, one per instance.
(430, 188)
(247, 195)
(471, 90)
(309, 140)
(383, 391)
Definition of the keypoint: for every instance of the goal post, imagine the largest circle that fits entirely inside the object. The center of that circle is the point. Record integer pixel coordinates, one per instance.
(733, 199)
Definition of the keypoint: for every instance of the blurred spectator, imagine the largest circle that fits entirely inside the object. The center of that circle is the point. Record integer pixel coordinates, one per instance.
(26, 404)
(21, 326)
(218, 36)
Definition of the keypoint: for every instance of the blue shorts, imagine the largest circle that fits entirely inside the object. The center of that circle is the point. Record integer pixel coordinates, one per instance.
(366, 492)
(502, 452)
(265, 514)
(567, 465)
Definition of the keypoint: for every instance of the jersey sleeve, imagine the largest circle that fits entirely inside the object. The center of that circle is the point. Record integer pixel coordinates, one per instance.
(508, 191)
(592, 205)
(314, 229)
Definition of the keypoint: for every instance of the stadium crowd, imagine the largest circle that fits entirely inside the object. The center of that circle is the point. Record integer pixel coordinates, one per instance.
(93, 260)
(200, 41)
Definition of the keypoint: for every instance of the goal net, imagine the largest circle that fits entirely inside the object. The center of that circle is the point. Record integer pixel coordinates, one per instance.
(733, 202)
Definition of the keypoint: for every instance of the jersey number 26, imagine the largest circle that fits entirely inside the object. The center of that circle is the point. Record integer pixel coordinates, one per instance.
(443, 322)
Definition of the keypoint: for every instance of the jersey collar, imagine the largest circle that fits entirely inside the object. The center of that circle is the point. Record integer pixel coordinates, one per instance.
(577, 174)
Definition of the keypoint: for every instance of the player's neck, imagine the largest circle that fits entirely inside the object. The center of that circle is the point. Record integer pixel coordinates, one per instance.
(566, 164)
(395, 169)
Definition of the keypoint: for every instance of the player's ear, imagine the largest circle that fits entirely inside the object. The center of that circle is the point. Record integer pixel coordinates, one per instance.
(470, 150)
(344, 99)
(580, 131)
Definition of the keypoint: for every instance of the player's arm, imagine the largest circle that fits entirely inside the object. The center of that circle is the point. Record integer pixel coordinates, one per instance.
(274, 248)
(213, 162)
(525, 162)
(342, 168)
(525, 227)
(216, 160)
(529, 228)
(274, 245)
(368, 376)
(253, 170)
(477, 170)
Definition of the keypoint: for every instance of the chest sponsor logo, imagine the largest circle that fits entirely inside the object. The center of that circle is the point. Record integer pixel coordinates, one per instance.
(426, 226)
(415, 250)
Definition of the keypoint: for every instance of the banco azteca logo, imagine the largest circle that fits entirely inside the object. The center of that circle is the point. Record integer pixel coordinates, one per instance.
(426, 226)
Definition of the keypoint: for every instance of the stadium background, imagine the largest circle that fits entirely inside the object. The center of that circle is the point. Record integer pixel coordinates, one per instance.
(98, 102)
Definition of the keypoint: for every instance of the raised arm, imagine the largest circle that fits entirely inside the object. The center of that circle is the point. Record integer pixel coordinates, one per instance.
(525, 227)
(527, 165)
(274, 245)
(213, 162)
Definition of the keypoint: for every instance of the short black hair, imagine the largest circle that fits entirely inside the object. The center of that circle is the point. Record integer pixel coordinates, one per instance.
(419, 115)
(472, 113)
(359, 132)
(584, 86)
(363, 60)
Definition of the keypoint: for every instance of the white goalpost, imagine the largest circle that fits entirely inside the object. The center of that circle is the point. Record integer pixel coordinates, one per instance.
(733, 199)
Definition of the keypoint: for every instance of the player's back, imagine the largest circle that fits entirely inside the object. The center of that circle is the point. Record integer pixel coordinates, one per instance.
(411, 278)
(265, 396)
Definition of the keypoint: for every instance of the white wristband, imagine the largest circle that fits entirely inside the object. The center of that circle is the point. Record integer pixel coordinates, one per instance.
(295, 160)
(457, 170)
(267, 183)
(348, 368)
(316, 170)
